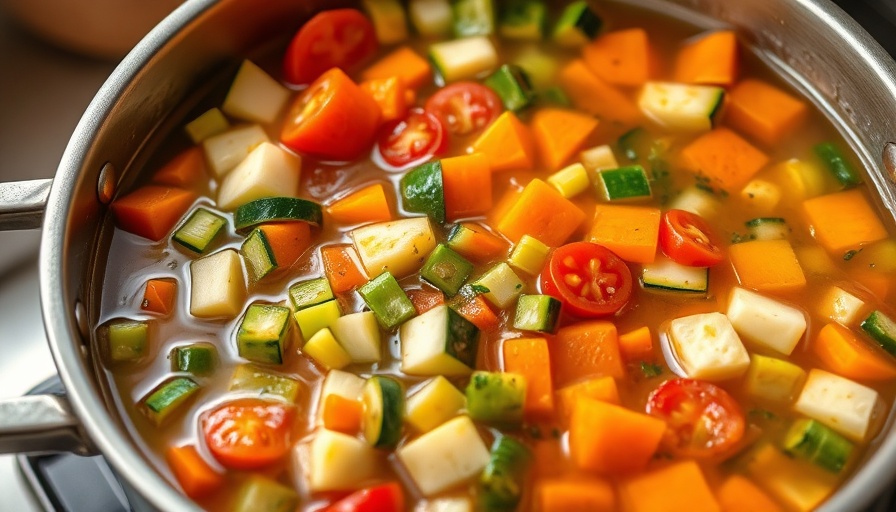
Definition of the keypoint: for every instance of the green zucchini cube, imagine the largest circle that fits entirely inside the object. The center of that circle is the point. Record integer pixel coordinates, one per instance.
(623, 183)
(167, 398)
(312, 292)
(496, 398)
(473, 17)
(259, 493)
(317, 317)
(500, 285)
(258, 255)
(262, 336)
(523, 20)
(128, 340)
(882, 329)
(198, 358)
(811, 440)
(513, 86)
(438, 342)
(502, 481)
(257, 380)
(577, 25)
(446, 269)
(422, 191)
(537, 313)
(200, 230)
(387, 300)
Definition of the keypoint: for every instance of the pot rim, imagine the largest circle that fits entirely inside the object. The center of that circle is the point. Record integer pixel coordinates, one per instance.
(62, 325)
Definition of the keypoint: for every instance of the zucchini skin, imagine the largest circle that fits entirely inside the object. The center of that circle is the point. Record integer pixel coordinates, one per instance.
(391, 398)
(502, 480)
(272, 209)
(422, 191)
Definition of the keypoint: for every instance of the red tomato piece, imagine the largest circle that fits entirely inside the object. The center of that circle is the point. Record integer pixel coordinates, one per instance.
(249, 433)
(381, 498)
(412, 140)
(333, 119)
(689, 240)
(703, 420)
(589, 279)
(465, 107)
(339, 38)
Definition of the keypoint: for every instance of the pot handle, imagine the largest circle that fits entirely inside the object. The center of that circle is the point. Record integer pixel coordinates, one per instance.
(40, 423)
(22, 204)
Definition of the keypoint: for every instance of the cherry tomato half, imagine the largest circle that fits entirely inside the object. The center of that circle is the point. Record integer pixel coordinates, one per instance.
(689, 240)
(589, 279)
(413, 139)
(381, 498)
(339, 38)
(333, 119)
(464, 107)
(249, 433)
(703, 419)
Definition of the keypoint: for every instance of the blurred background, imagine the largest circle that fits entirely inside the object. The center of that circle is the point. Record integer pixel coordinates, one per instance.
(53, 59)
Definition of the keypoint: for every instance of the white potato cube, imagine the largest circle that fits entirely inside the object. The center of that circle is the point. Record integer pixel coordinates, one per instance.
(838, 402)
(707, 347)
(267, 171)
(697, 201)
(217, 285)
(255, 96)
(435, 403)
(761, 194)
(447, 504)
(765, 322)
(340, 462)
(225, 150)
(445, 457)
(397, 246)
(598, 158)
(840, 306)
(337, 382)
(359, 334)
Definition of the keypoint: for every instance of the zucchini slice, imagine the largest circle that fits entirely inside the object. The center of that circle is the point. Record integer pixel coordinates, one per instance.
(811, 440)
(168, 397)
(438, 342)
(665, 274)
(473, 17)
(197, 358)
(836, 162)
(513, 86)
(537, 313)
(383, 400)
(422, 191)
(262, 335)
(258, 255)
(623, 183)
(523, 20)
(463, 59)
(127, 340)
(388, 301)
(446, 269)
(312, 292)
(273, 209)
(882, 329)
(577, 25)
(683, 107)
(254, 379)
(496, 398)
(768, 228)
(261, 494)
(199, 230)
(502, 481)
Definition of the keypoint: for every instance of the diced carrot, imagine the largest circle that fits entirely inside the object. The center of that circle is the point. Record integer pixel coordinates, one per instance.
(739, 494)
(195, 476)
(342, 414)
(151, 211)
(551, 457)
(477, 311)
(341, 267)
(622, 57)
(878, 283)
(710, 59)
(559, 134)
(404, 63)
(366, 205)
(586, 349)
(184, 170)
(842, 352)
(159, 296)
(843, 221)
(529, 357)
(723, 157)
(486, 246)
(632, 232)
(596, 97)
(287, 240)
(767, 265)
(610, 439)
(507, 144)
(636, 345)
(598, 388)
(764, 112)
(575, 495)
(543, 213)
(424, 300)
(467, 183)
(390, 94)
(679, 486)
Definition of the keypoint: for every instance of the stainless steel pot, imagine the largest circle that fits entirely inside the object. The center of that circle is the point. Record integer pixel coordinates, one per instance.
(812, 43)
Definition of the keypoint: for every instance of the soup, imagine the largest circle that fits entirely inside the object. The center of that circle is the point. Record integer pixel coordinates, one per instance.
(612, 264)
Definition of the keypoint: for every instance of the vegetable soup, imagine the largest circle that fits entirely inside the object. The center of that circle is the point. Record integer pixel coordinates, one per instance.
(447, 255)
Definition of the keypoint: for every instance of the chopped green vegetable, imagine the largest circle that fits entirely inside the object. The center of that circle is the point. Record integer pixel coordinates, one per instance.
(496, 398)
(387, 300)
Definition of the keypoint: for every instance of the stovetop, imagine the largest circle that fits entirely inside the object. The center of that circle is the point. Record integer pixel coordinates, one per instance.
(43, 91)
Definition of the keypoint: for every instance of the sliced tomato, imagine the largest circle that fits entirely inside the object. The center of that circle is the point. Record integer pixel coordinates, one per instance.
(333, 119)
(589, 279)
(689, 240)
(339, 38)
(382, 498)
(464, 107)
(249, 433)
(703, 419)
(412, 140)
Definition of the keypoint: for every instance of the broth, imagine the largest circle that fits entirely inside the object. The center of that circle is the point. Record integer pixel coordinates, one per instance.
(133, 260)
